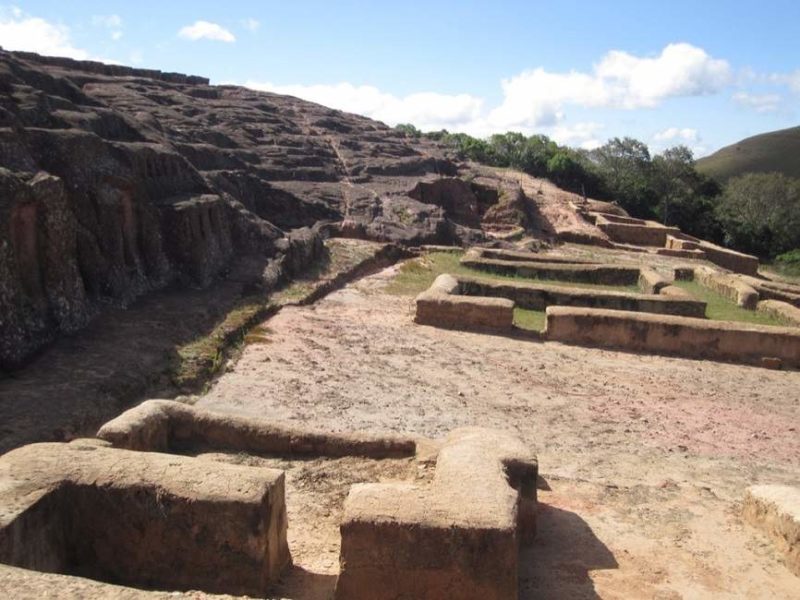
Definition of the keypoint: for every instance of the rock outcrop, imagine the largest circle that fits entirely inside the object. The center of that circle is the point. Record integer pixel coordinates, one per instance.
(117, 181)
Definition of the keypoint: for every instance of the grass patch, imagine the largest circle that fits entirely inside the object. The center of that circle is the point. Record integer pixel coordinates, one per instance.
(202, 358)
(785, 274)
(533, 320)
(416, 276)
(719, 308)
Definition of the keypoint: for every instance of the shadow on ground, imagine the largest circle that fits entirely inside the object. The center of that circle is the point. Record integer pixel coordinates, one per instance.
(558, 563)
(301, 584)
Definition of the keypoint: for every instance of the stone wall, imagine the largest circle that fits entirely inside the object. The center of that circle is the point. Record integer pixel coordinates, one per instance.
(539, 297)
(441, 306)
(143, 519)
(680, 336)
(456, 538)
(579, 273)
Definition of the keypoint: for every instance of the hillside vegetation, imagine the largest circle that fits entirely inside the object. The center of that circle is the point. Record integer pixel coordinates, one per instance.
(776, 151)
(757, 213)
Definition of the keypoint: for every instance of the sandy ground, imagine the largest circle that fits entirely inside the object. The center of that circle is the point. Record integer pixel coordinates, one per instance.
(644, 459)
(315, 494)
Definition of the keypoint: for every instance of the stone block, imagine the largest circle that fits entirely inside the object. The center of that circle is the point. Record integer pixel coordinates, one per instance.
(457, 538)
(775, 510)
(142, 519)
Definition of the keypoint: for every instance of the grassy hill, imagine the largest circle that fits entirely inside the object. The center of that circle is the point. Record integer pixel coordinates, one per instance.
(767, 152)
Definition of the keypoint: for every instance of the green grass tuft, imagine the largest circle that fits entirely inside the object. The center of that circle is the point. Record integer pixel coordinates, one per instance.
(533, 320)
(417, 275)
(719, 308)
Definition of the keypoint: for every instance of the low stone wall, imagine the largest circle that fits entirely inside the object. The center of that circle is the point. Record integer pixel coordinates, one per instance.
(539, 297)
(142, 519)
(723, 257)
(164, 425)
(441, 306)
(692, 254)
(647, 233)
(512, 255)
(775, 510)
(579, 273)
(680, 336)
(651, 282)
(773, 290)
(458, 537)
(730, 259)
(782, 310)
(729, 286)
(676, 243)
(674, 291)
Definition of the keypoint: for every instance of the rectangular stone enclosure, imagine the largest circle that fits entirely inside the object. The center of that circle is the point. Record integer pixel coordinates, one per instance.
(680, 336)
(457, 538)
(142, 519)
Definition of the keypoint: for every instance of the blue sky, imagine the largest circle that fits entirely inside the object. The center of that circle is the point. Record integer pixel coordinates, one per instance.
(703, 73)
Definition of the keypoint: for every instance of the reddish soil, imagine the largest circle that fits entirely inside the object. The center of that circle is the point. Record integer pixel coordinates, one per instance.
(644, 459)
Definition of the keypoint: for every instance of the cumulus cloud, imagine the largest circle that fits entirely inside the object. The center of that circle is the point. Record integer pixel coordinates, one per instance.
(251, 24)
(204, 30)
(582, 135)
(762, 103)
(537, 100)
(108, 21)
(427, 110)
(21, 31)
(676, 134)
(111, 22)
(620, 80)
(791, 80)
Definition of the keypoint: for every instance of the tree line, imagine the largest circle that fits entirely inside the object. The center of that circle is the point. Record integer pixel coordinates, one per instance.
(758, 213)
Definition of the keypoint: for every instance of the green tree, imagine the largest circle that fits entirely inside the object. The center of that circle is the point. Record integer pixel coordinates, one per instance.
(408, 130)
(760, 213)
(626, 169)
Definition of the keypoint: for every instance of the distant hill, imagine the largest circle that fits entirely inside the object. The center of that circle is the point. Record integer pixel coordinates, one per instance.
(775, 151)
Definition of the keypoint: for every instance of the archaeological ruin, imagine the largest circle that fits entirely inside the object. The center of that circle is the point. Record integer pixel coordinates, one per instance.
(253, 346)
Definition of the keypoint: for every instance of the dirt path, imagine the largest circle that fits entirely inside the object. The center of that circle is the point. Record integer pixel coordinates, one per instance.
(646, 457)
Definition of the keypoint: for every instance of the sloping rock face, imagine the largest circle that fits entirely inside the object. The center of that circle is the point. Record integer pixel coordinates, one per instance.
(117, 181)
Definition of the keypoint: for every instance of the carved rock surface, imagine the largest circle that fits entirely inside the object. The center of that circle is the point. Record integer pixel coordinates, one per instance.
(117, 181)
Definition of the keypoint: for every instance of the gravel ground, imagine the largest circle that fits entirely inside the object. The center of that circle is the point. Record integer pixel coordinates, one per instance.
(645, 459)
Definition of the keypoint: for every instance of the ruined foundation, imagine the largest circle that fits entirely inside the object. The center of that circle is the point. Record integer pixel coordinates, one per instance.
(679, 336)
(142, 519)
(458, 538)
(125, 509)
(775, 510)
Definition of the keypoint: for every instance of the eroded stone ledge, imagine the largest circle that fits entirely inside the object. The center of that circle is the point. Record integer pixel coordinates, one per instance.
(142, 519)
(458, 538)
(164, 425)
(671, 335)
(775, 510)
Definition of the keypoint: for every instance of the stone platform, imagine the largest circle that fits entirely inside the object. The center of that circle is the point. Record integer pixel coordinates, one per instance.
(142, 519)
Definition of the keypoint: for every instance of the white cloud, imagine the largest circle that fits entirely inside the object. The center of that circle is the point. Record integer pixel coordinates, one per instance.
(21, 31)
(620, 80)
(762, 103)
(108, 21)
(536, 100)
(251, 24)
(674, 133)
(792, 80)
(111, 22)
(583, 135)
(427, 110)
(203, 30)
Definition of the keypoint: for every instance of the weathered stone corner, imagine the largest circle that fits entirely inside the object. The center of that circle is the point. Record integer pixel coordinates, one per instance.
(458, 538)
(142, 519)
